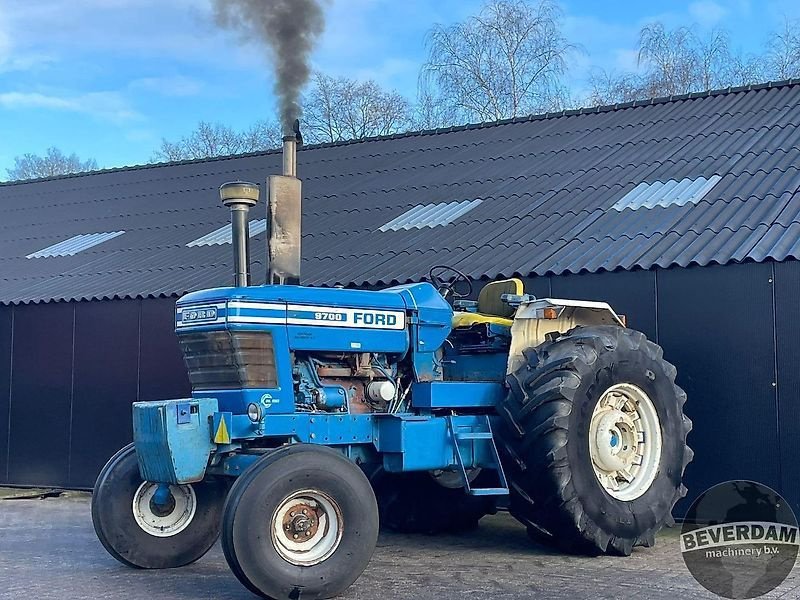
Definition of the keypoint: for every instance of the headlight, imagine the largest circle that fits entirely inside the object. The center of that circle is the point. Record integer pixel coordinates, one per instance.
(254, 412)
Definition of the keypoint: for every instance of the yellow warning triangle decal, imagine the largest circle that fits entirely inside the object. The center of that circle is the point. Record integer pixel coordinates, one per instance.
(222, 436)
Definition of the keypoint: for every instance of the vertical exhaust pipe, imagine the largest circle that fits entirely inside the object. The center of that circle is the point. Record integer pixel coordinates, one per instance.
(240, 197)
(290, 156)
(285, 214)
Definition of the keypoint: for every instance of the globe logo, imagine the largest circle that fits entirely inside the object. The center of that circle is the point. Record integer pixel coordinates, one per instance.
(740, 539)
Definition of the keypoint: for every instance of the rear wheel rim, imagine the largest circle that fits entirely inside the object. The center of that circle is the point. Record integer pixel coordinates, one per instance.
(625, 441)
(307, 527)
(167, 523)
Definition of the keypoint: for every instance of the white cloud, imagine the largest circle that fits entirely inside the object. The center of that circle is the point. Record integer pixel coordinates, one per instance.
(141, 135)
(626, 59)
(176, 86)
(387, 73)
(10, 58)
(178, 29)
(110, 106)
(707, 12)
(5, 40)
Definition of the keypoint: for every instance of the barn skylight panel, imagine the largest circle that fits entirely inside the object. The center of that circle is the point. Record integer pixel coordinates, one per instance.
(223, 234)
(667, 193)
(75, 244)
(430, 215)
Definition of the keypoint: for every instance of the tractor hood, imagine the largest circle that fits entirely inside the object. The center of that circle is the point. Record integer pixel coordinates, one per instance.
(316, 318)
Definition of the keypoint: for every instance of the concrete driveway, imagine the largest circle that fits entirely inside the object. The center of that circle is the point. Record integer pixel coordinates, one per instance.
(48, 550)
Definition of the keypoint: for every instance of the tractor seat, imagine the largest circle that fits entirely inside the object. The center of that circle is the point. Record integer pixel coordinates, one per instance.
(491, 308)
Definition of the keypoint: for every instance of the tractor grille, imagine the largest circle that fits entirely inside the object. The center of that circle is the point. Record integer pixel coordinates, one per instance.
(224, 360)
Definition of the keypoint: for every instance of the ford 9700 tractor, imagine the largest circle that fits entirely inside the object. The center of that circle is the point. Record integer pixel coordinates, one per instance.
(317, 414)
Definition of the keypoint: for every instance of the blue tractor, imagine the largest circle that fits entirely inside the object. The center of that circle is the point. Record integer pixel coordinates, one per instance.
(319, 413)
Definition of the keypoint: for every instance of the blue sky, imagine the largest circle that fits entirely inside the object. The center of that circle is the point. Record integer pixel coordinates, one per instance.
(109, 78)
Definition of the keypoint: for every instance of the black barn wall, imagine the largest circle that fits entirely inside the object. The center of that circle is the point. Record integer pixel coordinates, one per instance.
(787, 328)
(718, 325)
(68, 375)
(69, 371)
(5, 387)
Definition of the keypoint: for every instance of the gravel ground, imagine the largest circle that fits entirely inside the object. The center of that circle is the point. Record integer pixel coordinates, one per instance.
(48, 550)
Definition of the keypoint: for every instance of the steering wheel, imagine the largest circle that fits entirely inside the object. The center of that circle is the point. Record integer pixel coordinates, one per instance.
(448, 286)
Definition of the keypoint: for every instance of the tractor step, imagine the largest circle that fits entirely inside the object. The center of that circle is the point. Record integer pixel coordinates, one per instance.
(488, 491)
(474, 438)
(474, 435)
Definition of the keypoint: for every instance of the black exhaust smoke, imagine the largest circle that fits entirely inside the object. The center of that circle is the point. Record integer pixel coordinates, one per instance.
(288, 29)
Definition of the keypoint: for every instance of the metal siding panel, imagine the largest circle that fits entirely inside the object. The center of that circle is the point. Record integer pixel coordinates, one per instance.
(6, 320)
(632, 293)
(41, 392)
(715, 325)
(787, 319)
(162, 372)
(104, 385)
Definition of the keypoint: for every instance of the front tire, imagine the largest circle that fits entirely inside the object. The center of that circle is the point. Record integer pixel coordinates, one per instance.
(143, 536)
(301, 522)
(594, 440)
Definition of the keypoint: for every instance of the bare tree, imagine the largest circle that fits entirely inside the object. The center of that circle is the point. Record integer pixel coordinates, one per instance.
(783, 51)
(216, 139)
(432, 111)
(608, 87)
(670, 58)
(504, 62)
(338, 108)
(745, 70)
(54, 162)
(676, 61)
(713, 57)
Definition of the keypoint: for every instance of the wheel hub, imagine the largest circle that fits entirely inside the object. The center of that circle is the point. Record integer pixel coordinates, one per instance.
(167, 518)
(164, 509)
(307, 528)
(625, 441)
(300, 522)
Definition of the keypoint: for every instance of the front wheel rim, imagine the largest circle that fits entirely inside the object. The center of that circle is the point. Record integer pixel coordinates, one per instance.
(307, 527)
(625, 441)
(182, 508)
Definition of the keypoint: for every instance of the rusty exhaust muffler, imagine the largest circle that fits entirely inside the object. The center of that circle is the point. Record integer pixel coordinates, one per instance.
(284, 217)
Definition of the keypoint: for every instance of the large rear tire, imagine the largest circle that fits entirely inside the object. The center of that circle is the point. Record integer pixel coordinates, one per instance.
(594, 440)
(301, 522)
(142, 535)
(416, 503)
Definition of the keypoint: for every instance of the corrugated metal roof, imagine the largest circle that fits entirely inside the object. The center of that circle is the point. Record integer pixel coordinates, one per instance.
(548, 186)
(224, 234)
(75, 244)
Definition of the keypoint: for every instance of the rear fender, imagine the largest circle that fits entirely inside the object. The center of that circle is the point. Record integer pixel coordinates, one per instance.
(537, 318)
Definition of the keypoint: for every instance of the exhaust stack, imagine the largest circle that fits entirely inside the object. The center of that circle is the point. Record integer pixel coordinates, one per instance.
(290, 156)
(240, 197)
(285, 195)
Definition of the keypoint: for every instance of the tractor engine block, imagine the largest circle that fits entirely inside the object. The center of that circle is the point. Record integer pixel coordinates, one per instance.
(344, 382)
